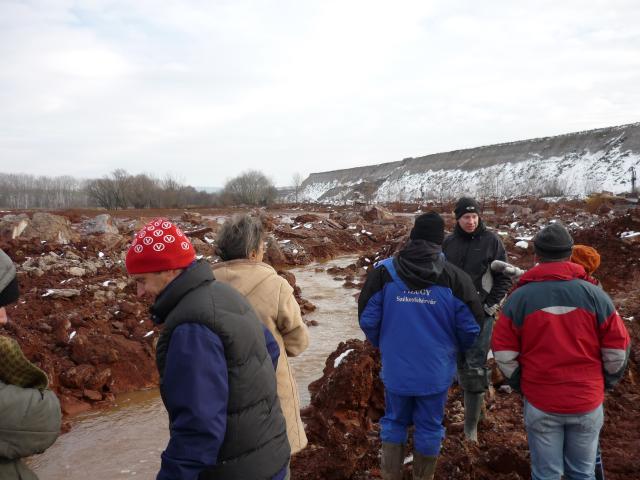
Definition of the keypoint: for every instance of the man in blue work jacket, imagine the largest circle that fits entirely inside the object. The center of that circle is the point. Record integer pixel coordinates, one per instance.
(420, 311)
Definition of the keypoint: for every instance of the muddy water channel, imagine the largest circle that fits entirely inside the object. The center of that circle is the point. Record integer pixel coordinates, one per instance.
(126, 440)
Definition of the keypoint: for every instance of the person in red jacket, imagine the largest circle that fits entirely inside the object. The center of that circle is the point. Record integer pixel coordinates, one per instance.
(560, 341)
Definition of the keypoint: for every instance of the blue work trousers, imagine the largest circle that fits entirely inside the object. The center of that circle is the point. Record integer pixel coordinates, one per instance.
(425, 412)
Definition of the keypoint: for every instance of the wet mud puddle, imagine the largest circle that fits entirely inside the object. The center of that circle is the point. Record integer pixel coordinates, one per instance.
(126, 441)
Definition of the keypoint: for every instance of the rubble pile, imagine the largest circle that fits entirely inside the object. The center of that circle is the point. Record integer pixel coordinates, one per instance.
(78, 317)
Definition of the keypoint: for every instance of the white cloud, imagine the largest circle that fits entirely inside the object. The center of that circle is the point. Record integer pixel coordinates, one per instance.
(208, 89)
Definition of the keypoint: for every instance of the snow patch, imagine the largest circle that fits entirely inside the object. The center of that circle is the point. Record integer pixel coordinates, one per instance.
(341, 357)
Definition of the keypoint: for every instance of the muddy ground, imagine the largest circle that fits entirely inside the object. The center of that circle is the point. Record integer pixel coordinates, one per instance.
(347, 402)
(79, 319)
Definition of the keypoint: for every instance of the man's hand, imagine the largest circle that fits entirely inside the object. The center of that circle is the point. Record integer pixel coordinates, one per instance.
(491, 310)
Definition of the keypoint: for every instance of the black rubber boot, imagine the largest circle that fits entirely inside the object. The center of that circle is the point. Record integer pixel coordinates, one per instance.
(392, 461)
(424, 466)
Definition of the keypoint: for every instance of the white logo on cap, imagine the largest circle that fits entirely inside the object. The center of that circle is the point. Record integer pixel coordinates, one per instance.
(471, 207)
(185, 245)
(142, 233)
(147, 241)
(169, 238)
(157, 224)
(151, 228)
(158, 247)
(158, 233)
(166, 225)
(138, 248)
(179, 232)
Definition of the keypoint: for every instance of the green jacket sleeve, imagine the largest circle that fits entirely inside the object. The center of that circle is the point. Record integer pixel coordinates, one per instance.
(29, 421)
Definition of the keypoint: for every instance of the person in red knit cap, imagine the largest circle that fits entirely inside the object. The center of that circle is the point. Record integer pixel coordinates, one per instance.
(216, 363)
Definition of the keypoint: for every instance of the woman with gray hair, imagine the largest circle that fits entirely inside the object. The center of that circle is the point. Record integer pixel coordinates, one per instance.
(240, 242)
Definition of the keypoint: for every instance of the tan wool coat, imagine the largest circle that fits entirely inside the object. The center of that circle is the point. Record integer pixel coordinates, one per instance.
(272, 298)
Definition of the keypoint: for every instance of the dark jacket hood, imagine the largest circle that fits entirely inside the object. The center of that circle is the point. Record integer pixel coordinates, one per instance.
(419, 263)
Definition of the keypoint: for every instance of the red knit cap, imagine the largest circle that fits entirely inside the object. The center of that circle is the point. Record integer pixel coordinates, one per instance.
(586, 256)
(159, 246)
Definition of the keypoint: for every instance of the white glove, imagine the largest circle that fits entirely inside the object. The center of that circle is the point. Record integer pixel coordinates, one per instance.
(491, 310)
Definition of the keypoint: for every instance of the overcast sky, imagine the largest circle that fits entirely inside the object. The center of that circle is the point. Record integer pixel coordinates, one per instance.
(206, 89)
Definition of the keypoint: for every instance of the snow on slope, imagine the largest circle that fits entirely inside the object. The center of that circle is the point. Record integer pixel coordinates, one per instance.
(570, 169)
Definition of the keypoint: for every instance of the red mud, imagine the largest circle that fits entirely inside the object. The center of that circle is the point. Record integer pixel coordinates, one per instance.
(112, 350)
(348, 401)
(100, 341)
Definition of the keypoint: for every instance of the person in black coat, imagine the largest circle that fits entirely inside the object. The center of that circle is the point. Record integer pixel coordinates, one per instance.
(472, 248)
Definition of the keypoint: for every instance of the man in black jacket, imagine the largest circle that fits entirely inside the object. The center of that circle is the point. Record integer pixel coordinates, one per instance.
(472, 248)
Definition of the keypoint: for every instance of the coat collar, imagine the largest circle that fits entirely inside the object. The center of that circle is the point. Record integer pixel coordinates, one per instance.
(554, 271)
(191, 278)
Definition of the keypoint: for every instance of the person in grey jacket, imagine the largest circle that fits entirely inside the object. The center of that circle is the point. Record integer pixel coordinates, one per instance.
(30, 414)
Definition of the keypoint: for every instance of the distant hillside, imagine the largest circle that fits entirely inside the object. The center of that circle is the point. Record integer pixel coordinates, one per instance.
(571, 164)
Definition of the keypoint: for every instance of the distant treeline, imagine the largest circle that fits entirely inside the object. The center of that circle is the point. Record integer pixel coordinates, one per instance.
(120, 190)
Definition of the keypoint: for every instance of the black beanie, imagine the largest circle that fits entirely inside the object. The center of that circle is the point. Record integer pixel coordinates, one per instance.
(553, 242)
(429, 227)
(8, 282)
(466, 205)
(10, 294)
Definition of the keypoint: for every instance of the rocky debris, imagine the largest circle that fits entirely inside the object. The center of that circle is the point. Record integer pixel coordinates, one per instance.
(376, 213)
(192, 217)
(61, 293)
(314, 237)
(50, 228)
(203, 248)
(341, 421)
(198, 232)
(273, 254)
(100, 224)
(111, 241)
(12, 226)
(305, 305)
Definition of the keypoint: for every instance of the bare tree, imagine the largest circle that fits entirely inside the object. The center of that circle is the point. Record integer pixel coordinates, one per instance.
(250, 188)
(144, 191)
(101, 191)
(297, 183)
(113, 191)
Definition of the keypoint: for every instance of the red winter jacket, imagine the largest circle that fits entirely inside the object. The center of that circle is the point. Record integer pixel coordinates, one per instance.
(562, 337)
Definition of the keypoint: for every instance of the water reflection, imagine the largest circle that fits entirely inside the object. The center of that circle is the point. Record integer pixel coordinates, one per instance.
(337, 321)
